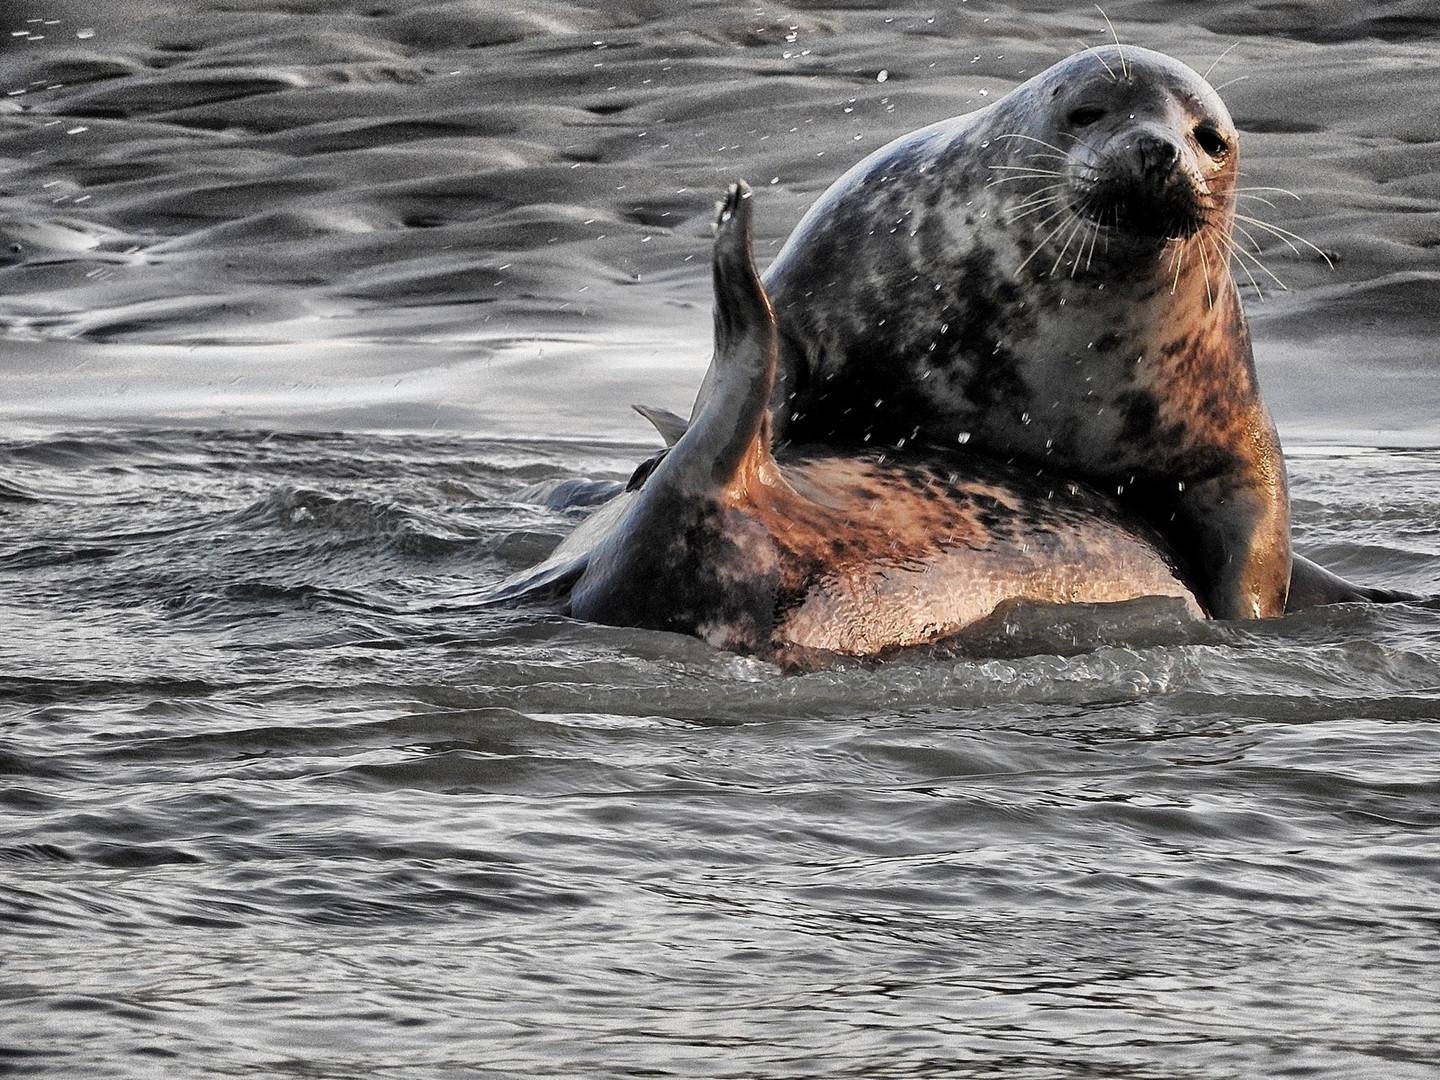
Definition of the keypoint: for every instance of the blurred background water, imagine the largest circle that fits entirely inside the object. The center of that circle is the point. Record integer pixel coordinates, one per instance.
(300, 298)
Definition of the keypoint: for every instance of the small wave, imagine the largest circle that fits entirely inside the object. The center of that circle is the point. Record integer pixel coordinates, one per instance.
(570, 492)
(16, 689)
(410, 530)
(145, 94)
(55, 554)
(11, 491)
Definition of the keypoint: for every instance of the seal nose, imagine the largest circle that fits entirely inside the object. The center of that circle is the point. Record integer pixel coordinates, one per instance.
(1156, 155)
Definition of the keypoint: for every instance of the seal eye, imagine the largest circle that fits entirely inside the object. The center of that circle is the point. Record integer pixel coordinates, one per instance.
(1211, 141)
(1085, 115)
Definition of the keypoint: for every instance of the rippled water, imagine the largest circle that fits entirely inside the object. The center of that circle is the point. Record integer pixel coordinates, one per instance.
(282, 798)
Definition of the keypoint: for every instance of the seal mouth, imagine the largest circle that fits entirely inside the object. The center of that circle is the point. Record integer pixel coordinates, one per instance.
(1126, 207)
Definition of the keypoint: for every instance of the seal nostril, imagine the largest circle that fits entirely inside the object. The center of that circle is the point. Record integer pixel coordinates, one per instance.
(1157, 156)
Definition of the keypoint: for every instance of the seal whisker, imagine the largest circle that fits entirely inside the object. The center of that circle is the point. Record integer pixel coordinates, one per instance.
(1215, 63)
(1038, 192)
(1205, 269)
(1224, 254)
(1042, 192)
(1178, 263)
(1242, 254)
(1082, 226)
(1031, 169)
(1032, 193)
(1090, 231)
(1032, 138)
(1289, 238)
(1076, 226)
(1064, 209)
(1051, 201)
(998, 180)
(1094, 239)
(1281, 190)
(1120, 49)
(1037, 201)
(1248, 236)
(1048, 236)
(1096, 52)
(1069, 237)
(1231, 82)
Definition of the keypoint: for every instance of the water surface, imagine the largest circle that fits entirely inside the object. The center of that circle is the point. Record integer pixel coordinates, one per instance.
(300, 298)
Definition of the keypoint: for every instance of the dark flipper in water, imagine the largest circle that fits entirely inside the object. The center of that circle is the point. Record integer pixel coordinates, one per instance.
(663, 566)
(1312, 585)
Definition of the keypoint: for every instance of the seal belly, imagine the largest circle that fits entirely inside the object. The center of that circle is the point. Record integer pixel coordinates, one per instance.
(901, 551)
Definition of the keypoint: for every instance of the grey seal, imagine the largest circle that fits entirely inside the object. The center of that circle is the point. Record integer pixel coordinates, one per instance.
(1048, 279)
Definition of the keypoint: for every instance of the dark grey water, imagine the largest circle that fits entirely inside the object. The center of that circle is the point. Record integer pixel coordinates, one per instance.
(281, 798)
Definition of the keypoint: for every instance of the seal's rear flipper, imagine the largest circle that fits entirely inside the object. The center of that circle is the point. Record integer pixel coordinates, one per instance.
(731, 434)
(1312, 585)
(659, 562)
